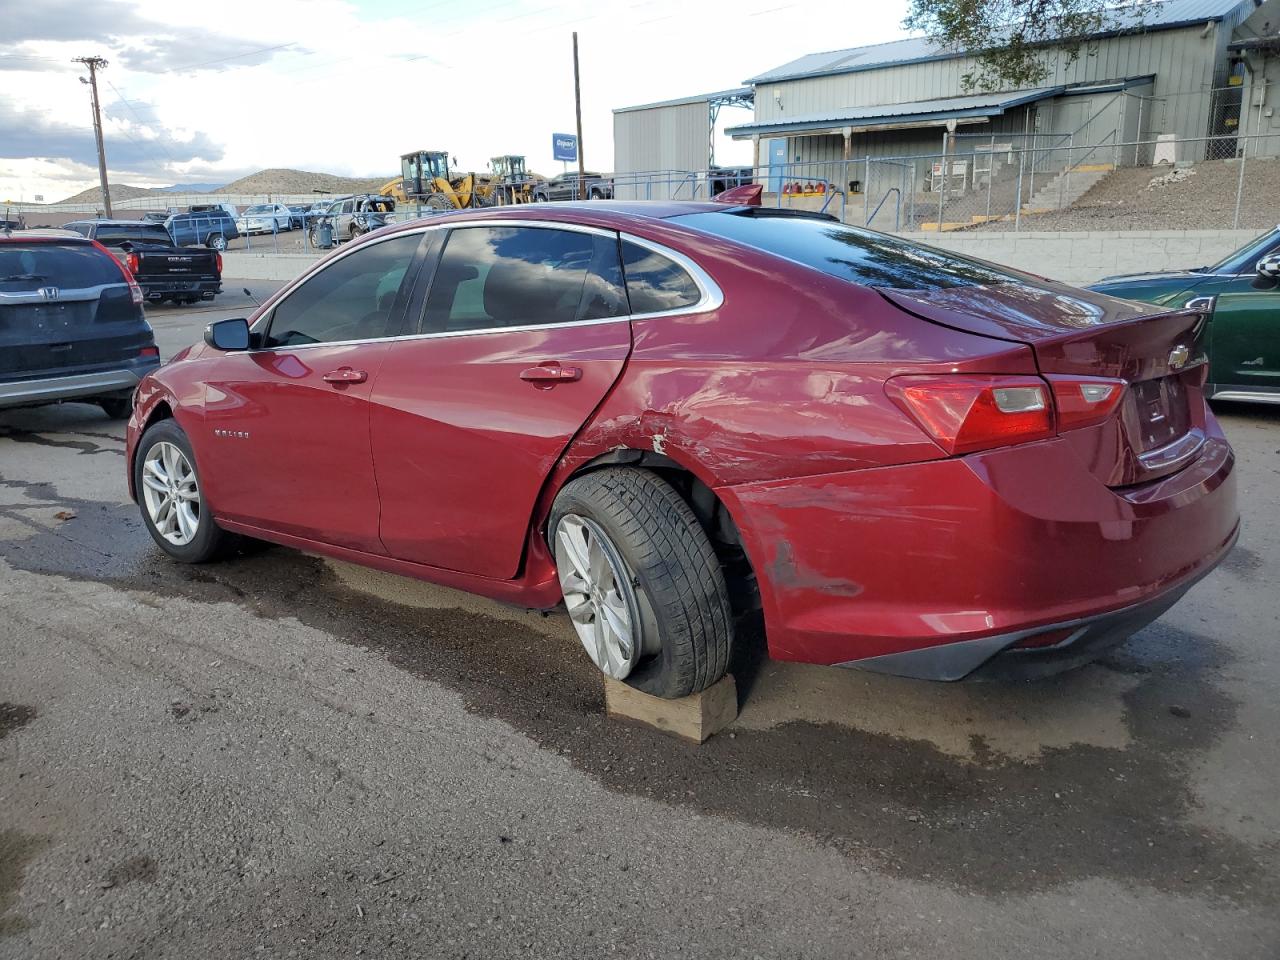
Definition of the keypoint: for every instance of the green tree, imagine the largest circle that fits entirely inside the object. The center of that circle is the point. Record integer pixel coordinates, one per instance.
(1007, 36)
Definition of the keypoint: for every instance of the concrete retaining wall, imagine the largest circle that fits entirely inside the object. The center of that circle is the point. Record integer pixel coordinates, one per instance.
(242, 265)
(1076, 258)
(1083, 258)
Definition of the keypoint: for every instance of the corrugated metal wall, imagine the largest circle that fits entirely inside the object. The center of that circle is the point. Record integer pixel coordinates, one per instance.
(659, 138)
(1185, 61)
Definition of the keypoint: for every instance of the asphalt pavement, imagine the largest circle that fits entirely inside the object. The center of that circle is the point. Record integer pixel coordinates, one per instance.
(284, 756)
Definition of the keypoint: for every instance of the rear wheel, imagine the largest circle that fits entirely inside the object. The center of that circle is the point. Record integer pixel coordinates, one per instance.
(641, 582)
(170, 497)
(216, 241)
(438, 201)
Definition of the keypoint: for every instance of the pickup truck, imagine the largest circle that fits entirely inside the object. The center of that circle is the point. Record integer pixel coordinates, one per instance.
(163, 270)
(565, 187)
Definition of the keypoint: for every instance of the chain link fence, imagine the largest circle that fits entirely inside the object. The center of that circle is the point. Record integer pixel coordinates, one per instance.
(1029, 183)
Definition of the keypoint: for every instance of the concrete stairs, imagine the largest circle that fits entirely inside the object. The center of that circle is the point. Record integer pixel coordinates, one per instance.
(1063, 190)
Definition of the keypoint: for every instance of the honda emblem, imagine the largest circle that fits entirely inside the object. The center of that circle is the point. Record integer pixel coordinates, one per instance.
(48, 293)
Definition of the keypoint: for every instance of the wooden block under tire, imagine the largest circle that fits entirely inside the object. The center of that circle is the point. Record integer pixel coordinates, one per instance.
(695, 717)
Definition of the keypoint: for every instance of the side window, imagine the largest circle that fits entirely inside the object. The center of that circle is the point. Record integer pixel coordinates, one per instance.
(656, 283)
(523, 276)
(80, 228)
(353, 299)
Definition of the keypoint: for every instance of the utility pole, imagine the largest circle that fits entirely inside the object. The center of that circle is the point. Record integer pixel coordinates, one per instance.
(95, 64)
(577, 106)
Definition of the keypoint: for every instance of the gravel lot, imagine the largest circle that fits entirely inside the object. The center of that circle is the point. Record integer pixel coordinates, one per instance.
(283, 756)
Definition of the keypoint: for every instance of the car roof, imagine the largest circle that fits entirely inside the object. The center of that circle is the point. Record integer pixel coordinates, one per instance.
(42, 234)
(104, 222)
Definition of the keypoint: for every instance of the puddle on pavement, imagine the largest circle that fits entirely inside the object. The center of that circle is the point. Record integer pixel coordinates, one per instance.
(1000, 789)
(14, 716)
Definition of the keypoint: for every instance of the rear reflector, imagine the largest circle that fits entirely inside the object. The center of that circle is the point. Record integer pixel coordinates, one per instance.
(968, 413)
(149, 352)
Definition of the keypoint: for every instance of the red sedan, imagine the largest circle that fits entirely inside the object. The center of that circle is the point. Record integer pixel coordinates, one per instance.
(661, 413)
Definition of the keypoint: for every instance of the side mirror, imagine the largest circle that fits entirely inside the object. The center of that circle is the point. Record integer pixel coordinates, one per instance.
(228, 334)
(1268, 273)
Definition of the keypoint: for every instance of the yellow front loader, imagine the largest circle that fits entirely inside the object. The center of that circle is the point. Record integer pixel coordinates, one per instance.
(425, 178)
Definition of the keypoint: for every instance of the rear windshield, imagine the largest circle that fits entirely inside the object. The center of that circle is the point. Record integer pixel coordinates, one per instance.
(142, 233)
(850, 253)
(69, 266)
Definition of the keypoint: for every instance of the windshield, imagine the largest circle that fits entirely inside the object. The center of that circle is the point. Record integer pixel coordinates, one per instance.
(1244, 259)
(258, 209)
(851, 253)
(141, 234)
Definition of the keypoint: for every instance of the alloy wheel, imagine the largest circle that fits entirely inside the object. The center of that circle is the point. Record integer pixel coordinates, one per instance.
(598, 594)
(171, 493)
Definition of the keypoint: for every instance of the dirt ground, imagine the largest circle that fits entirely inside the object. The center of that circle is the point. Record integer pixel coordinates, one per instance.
(1205, 200)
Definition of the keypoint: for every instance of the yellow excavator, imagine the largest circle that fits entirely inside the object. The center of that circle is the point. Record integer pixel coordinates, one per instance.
(425, 178)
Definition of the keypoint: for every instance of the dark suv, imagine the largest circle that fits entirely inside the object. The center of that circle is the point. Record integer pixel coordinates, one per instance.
(213, 227)
(71, 323)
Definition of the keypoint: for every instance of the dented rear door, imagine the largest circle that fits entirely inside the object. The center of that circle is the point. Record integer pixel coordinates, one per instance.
(521, 334)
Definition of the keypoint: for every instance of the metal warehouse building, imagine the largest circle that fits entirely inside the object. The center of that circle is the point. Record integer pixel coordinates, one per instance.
(1174, 78)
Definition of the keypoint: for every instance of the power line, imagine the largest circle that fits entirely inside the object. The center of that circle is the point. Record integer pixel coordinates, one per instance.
(238, 56)
(138, 116)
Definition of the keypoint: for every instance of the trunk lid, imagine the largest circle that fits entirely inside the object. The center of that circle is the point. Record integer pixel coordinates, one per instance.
(1158, 428)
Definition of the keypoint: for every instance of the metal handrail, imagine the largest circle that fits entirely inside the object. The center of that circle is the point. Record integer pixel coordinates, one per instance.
(897, 214)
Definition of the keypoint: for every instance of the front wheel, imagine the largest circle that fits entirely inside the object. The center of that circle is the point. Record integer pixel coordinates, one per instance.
(170, 496)
(641, 582)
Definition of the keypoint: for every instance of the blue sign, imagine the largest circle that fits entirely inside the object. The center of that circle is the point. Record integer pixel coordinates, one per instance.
(564, 146)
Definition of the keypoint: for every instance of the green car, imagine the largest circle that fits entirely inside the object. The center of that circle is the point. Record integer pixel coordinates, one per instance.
(1243, 338)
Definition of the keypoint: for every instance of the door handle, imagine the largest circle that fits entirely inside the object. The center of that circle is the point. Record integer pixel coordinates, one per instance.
(345, 375)
(547, 373)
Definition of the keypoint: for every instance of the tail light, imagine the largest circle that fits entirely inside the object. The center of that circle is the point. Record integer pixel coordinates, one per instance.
(968, 413)
(965, 413)
(217, 260)
(127, 270)
(1084, 400)
(151, 351)
(132, 261)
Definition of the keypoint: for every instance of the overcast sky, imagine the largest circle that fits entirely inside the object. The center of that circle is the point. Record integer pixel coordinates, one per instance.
(206, 92)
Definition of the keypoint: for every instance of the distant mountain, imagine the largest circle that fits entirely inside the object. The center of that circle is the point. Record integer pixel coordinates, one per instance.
(119, 191)
(301, 181)
(190, 188)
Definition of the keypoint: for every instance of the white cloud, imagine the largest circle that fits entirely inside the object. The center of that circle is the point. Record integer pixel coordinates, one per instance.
(347, 87)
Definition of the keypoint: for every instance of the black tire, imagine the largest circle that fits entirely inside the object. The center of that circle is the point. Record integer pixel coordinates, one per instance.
(216, 241)
(210, 541)
(117, 408)
(685, 618)
(438, 201)
(540, 198)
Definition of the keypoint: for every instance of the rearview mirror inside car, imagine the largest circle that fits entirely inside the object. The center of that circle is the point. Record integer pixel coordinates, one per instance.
(228, 334)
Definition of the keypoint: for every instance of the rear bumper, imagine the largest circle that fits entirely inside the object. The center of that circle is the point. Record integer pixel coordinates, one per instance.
(99, 383)
(999, 657)
(194, 287)
(891, 567)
